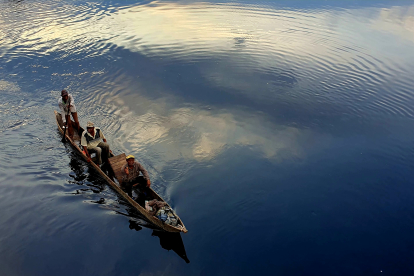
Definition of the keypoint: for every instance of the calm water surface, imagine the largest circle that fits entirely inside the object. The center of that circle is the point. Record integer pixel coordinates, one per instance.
(280, 131)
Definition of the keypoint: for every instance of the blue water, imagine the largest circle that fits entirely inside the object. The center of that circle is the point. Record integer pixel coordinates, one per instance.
(281, 132)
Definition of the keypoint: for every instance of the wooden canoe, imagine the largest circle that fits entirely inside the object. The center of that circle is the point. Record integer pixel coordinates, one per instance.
(116, 163)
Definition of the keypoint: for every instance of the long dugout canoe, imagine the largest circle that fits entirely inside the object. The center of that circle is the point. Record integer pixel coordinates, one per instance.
(75, 142)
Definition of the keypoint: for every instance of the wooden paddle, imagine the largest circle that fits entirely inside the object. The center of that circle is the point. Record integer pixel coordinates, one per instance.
(66, 126)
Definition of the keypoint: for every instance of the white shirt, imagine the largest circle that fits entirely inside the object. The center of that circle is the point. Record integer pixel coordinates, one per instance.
(96, 140)
(64, 107)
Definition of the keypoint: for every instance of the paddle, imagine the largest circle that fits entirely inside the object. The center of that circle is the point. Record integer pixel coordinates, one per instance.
(66, 126)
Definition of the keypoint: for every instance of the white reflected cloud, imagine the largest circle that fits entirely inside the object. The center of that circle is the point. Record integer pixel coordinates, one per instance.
(194, 134)
(397, 21)
(263, 34)
(253, 38)
(208, 28)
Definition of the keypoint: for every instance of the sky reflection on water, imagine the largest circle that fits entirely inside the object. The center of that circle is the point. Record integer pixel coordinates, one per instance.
(280, 131)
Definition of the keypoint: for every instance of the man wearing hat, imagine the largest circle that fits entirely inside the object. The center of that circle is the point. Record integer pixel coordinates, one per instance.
(93, 140)
(66, 103)
(131, 177)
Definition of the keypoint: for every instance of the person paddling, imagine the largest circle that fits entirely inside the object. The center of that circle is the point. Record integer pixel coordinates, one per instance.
(131, 178)
(66, 104)
(93, 140)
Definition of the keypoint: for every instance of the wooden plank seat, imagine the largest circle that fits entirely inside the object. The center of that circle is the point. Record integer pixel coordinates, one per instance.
(117, 162)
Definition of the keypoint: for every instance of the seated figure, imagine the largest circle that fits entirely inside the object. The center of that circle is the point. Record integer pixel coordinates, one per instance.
(131, 178)
(93, 141)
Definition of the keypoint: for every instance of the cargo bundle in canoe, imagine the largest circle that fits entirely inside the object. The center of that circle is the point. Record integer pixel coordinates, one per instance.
(116, 163)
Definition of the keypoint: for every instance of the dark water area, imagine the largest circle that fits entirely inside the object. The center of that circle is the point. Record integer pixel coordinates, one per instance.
(281, 132)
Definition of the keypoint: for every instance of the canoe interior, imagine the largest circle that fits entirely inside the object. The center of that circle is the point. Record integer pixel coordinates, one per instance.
(117, 162)
(114, 172)
(76, 136)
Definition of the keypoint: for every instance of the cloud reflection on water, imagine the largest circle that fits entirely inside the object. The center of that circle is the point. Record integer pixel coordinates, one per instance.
(398, 21)
(282, 40)
(298, 48)
(189, 30)
(198, 134)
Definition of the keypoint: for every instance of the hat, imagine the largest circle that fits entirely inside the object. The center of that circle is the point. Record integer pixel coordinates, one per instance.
(89, 124)
(130, 156)
(64, 93)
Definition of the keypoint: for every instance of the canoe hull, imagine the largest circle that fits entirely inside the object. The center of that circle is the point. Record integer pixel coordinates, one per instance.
(74, 142)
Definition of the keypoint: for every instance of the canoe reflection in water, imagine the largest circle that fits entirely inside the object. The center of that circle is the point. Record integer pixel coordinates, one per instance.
(91, 182)
(168, 241)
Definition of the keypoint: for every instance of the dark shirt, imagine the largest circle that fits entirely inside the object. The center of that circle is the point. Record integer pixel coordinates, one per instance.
(134, 172)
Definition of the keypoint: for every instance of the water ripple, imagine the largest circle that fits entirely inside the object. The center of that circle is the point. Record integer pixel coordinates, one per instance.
(198, 92)
(319, 60)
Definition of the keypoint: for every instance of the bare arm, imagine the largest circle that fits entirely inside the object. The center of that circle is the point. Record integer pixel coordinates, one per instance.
(87, 154)
(102, 136)
(104, 139)
(62, 108)
(71, 101)
(125, 172)
(84, 145)
(146, 175)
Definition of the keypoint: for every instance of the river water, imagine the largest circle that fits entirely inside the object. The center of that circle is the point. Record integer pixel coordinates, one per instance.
(280, 131)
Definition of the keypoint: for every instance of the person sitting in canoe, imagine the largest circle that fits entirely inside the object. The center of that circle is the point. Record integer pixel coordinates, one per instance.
(131, 178)
(93, 140)
(66, 104)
